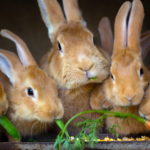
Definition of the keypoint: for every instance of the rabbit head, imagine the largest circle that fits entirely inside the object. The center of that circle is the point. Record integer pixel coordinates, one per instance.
(129, 77)
(74, 59)
(32, 94)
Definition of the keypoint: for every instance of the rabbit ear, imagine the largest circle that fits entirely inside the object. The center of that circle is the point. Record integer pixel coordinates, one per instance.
(52, 15)
(22, 49)
(72, 11)
(145, 35)
(145, 43)
(106, 35)
(10, 66)
(120, 34)
(135, 25)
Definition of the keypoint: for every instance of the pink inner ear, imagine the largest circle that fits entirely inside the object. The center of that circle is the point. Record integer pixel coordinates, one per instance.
(129, 24)
(120, 41)
(6, 68)
(22, 49)
(135, 25)
(124, 38)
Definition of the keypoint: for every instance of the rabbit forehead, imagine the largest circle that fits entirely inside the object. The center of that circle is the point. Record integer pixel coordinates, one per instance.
(125, 59)
(126, 66)
(37, 79)
(73, 33)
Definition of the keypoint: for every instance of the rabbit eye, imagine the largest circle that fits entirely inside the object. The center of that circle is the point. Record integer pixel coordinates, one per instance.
(59, 47)
(30, 92)
(141, 72)
(112, 77)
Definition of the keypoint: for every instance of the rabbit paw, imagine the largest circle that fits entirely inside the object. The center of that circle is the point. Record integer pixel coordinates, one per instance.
(144, 108)
(106, 105)
(97, 99)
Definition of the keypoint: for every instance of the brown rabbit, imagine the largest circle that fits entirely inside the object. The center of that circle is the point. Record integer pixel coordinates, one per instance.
(107, 41)
(74, 59)
(129, 77)
(144, 108)
(33, 97)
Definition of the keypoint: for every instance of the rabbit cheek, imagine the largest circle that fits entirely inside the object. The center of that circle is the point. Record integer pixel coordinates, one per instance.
(47, 113)
(138, 98)
(102, 69)
(114, 95)
(45, 117)
(26, 110)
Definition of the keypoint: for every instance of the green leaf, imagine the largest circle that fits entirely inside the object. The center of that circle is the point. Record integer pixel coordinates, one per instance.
(93, 78)
(113, 129)
(9, 127)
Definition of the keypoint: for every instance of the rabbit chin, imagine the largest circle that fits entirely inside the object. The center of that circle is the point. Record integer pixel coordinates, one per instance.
(30, 118)
(121, 101)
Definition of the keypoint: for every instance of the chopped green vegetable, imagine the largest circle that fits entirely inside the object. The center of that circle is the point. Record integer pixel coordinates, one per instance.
(61, 125)
(92, 125)
(113, 130)
(9, 127)
(93, 78)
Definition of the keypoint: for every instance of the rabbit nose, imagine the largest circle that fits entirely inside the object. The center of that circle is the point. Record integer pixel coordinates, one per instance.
(130, 98)
(90, 74)
(86, 66)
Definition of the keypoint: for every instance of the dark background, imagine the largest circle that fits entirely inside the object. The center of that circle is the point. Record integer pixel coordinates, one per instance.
(24, 19)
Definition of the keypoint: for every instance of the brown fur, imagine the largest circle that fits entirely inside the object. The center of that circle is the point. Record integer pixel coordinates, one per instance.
(23, 110)
(68, 68)
(30, 114)
(72, 10)
(129, 125)
(29, 117)
(76, 94)
(57, 19)
(106, 35)
(125, 86)
(120, 38)
(98, 99)
(114, 94)
(144, 108)
(3, 100)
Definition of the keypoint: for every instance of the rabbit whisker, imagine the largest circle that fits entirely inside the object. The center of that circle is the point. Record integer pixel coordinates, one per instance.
(33, 127)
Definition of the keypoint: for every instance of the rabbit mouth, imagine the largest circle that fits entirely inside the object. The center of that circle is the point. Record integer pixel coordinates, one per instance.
(91, 79)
